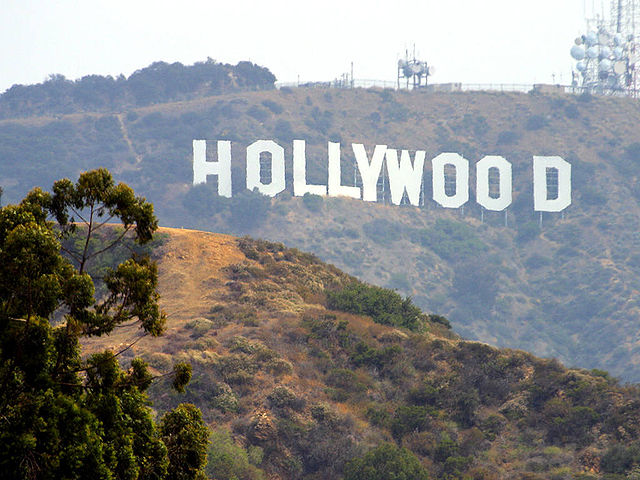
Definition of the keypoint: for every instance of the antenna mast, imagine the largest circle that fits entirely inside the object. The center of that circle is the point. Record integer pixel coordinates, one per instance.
(607, 55)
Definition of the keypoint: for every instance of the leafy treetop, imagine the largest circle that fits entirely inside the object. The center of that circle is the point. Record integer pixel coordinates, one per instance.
(62, 416)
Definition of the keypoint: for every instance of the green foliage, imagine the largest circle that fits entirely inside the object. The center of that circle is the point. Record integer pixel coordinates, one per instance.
(363, 354)
(382, 231)
(227, 460)
(258, 113)
(273, 106)
(450, 240)
(536, 122)
(313, 203)
(159, 82)
(282, 397)
(382, 305)
(245, 211)
(508, 137)
(283, 131)
(475, 287)
(181, 376)
(620, 458)
(440, 319)
(187, 438)
(527, 232)
(384, 463)
(57, 423)
(408, 419)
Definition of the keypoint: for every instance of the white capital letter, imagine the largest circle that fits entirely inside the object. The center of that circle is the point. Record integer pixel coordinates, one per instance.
(222, 168)
(369, 172)
(300, 186)
(462, 180)
(404, 176)
(335, 188)
(482, 183)
(541, 203)
(277, 167)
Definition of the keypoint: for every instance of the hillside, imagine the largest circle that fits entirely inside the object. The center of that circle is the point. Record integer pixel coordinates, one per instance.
(303, 388)
(567, 290)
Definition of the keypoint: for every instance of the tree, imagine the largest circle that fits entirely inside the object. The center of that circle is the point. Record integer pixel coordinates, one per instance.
(386, 462)
(186, 438)
(60, 416)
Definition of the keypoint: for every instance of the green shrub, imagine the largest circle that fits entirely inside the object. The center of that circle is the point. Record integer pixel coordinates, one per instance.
(536, 261)
(384, 463)
(450, 240)
(312, 202)
(223, 398)
(258, 113)
(408, 419)
(536, 122)
(527, 232)
(382, 231)
(273, 106)
(381, 304)
(620, 458)
(282, 397)
(364, 355)
(229, 461)
(508, 137)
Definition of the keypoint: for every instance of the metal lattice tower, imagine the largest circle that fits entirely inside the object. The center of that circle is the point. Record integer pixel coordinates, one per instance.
(608, 54)
(625, 20)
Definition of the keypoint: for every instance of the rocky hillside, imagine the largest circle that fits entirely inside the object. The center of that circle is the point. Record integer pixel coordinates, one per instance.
(566, 290)
(300, 368)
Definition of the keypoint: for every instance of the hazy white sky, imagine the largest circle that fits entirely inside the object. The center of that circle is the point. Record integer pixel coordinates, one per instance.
(470, 41)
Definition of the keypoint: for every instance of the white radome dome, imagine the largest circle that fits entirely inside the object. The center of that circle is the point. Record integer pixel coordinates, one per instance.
(577, 52)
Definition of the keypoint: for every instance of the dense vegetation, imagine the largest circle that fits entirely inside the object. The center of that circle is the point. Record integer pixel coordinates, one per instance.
(64, 416)
(157, 83)
(300, 387)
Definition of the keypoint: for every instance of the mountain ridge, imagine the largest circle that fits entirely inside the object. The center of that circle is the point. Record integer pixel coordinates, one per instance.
(568, 290)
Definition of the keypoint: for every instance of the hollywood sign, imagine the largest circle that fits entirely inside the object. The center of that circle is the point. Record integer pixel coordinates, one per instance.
(405, 175)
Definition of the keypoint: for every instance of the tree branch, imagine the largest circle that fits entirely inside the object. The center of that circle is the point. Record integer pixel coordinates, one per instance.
(103, 223)
(116, 241)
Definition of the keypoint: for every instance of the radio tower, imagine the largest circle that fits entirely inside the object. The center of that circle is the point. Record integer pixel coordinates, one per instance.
(625, 19)
(608, 54)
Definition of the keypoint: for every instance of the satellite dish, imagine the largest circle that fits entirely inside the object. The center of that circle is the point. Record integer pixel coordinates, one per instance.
(591, 39)
(618, 52)
(605, 52)
(431, 71)
(592, 52)
(577, 52)
(401, 63)
(618, 39)
(604, 65)
(579, 41)
(581, 67)
(619, 67)
(416, 68)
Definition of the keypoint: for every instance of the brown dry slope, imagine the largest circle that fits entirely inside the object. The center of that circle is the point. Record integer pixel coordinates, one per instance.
(190, 266)
(189, 269)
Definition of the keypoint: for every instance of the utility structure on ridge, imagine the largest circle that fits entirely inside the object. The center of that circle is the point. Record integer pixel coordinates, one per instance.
(608, 55)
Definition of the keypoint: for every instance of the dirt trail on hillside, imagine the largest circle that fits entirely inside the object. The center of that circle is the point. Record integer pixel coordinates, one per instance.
(190, 278)
(189, 270)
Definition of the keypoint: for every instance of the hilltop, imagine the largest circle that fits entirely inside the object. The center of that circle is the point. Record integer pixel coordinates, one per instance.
(566, 290)
(297, 384)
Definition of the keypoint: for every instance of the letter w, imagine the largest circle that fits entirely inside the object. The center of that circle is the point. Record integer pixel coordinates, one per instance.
(405, 176)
